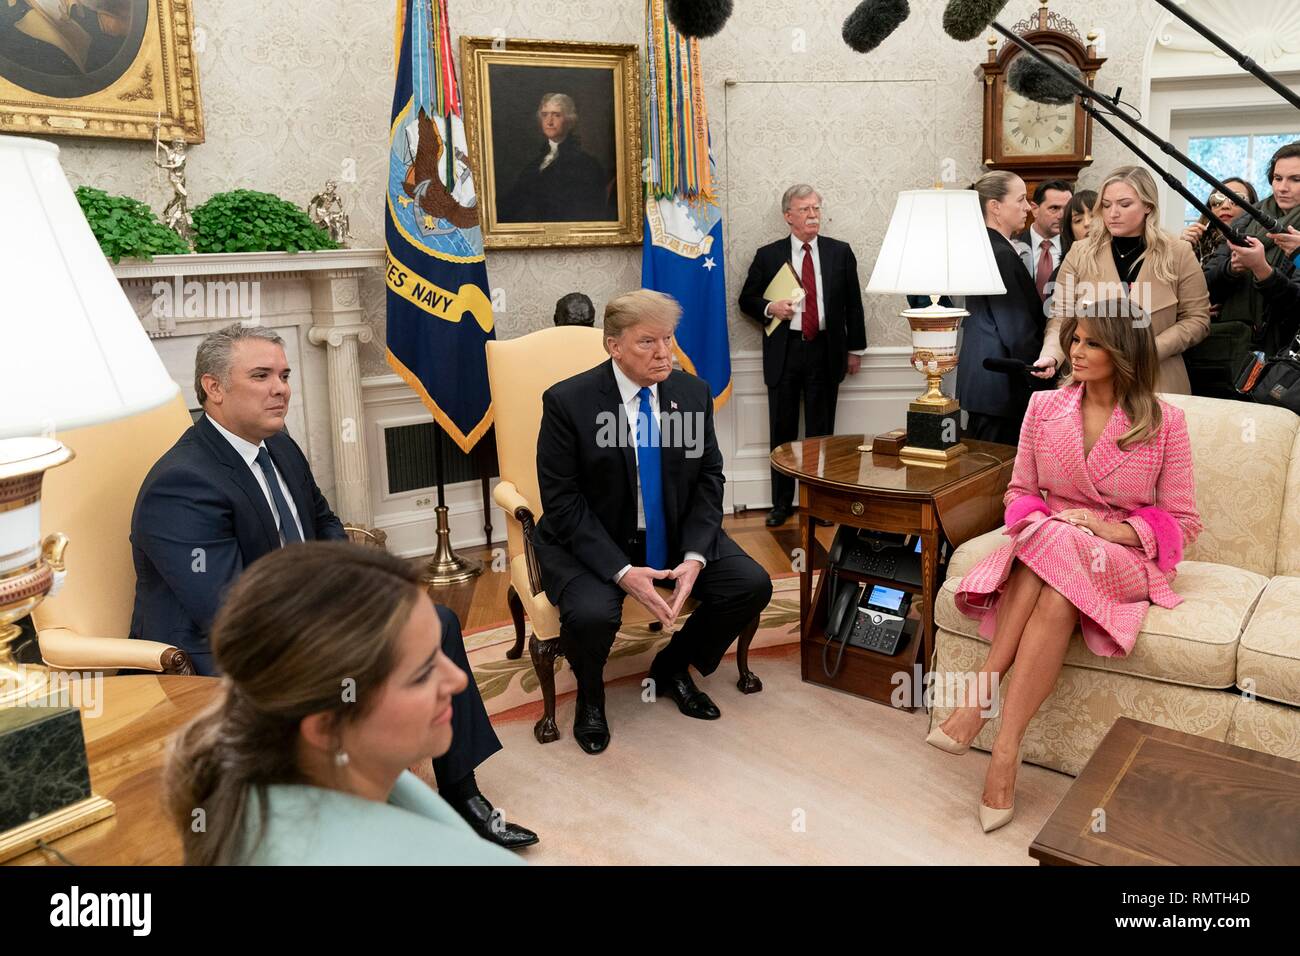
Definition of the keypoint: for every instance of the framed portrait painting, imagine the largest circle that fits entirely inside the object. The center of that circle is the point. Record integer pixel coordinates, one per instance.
(105, 68)
(554, 129)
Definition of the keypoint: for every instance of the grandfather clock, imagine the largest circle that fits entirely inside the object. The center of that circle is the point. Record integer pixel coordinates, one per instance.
(1038, 141)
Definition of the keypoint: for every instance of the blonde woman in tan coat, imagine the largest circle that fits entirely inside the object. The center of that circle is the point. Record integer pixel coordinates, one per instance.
(1128, 255)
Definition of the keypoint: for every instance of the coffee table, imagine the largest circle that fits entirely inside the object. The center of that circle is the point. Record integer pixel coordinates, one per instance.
(1150, 795)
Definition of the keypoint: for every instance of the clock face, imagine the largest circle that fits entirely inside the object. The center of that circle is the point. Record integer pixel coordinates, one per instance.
(1036, 129)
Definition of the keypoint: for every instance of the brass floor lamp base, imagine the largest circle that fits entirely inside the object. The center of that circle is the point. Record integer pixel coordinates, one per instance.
(60, 823)
(446, 566)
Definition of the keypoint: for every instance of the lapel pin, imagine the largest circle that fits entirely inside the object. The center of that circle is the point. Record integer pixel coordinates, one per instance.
(672, 405)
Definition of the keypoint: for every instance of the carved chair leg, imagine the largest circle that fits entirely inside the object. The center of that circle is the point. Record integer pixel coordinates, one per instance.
(749, 682)
(543, 654)
(517, 615)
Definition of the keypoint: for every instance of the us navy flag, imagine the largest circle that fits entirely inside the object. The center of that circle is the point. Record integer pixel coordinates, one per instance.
(439, 310)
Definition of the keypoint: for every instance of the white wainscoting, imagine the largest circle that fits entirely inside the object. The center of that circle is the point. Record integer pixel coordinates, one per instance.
(873, 401)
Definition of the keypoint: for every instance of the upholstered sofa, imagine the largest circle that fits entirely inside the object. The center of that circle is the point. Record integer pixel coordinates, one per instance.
(1225, 663)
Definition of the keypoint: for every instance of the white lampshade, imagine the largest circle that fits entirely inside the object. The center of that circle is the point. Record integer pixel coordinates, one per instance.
(937, 244)
(74, 352)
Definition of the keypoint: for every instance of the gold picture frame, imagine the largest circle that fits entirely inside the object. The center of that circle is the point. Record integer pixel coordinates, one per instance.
(115, 70)
(594, 170)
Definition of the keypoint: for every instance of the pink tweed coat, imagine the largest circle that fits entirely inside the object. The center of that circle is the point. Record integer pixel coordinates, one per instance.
(1150, 486)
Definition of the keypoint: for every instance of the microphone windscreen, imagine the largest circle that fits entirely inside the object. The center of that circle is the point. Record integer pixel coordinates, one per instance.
(872, 21)
(698, 18)
(1007, 365)
(966, 19)
(1035, 80)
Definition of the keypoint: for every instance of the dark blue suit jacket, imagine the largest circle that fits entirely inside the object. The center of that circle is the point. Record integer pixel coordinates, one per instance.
(199, 520)
(846, 323)
(1001, 326)
(589, 485)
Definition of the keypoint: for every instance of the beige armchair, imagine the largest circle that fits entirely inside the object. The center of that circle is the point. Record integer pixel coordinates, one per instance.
(86, 625)
(519, 371)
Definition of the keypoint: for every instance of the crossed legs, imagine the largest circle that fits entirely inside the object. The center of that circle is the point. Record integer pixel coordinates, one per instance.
(1033, 629)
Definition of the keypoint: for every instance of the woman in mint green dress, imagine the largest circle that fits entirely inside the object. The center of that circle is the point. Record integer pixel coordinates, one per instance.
(335, 684)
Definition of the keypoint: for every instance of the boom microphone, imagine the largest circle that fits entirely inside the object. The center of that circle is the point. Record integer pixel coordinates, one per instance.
(1059, 82)
(872, 21)
(967, 19)
(1243, 61)
(1035, 80)
(698, 18)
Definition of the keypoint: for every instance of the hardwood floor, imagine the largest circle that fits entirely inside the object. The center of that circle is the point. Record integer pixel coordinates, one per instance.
(481, 602)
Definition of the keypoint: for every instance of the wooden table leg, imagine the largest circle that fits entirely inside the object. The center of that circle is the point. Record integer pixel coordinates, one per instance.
(929, 571)
(805, 576)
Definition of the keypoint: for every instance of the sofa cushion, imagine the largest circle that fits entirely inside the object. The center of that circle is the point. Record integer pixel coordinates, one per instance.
(1268, 659)
(1241, 455)
(1194, 644)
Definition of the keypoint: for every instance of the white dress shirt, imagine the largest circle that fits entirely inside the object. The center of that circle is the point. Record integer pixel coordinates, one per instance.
(1036, 250)
(630, 392)
(796, 263)
(248, 451)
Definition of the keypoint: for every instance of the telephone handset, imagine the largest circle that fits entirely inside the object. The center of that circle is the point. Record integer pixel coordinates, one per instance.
(839, 622)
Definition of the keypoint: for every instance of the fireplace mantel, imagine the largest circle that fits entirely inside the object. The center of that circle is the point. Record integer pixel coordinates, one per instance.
(313, 300)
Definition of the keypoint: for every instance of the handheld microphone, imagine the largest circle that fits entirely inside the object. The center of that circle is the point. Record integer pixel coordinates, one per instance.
(698, 18)
(872, 21)
(1008, 366)
(1056, 84)
(1243, 61)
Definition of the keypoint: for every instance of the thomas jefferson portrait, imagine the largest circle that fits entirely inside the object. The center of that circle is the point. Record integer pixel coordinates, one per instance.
(69, 48)
(557, 163)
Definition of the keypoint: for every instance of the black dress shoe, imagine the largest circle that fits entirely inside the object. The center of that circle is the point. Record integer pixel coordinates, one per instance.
(777, 517)
(690, 700)
(590, 729)
(491, 826)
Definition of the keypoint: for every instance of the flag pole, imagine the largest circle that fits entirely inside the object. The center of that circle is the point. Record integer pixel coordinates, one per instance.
(446, 567)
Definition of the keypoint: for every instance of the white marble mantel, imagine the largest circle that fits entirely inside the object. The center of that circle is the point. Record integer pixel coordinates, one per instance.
(312, 299)
(249, 263)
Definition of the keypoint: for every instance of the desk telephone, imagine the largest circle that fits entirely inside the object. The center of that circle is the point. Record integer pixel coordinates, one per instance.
(876, 553)
(878, 623)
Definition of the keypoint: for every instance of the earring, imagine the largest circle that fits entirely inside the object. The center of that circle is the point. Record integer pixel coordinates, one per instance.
(341, 758)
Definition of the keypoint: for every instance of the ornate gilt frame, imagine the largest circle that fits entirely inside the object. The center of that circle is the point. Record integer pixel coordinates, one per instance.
(476, 55)
(161, 86)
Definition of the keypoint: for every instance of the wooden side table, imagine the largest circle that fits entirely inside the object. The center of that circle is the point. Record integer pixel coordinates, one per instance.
(126, 742)
(879, 492)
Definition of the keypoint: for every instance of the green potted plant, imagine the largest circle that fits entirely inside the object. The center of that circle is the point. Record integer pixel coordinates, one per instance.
(245, 220)
(126, 228)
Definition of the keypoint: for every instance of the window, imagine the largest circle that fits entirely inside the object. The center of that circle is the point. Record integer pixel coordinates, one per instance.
(1234, 156)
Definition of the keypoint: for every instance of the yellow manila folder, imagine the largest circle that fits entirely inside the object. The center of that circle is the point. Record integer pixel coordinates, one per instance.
(784, 285)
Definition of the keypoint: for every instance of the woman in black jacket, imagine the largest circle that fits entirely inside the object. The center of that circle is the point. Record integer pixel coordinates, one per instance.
(1000, 326)
(1255, 287)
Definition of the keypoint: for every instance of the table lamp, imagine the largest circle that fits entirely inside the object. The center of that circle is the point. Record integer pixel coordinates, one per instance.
(937, 244)
(77, 356)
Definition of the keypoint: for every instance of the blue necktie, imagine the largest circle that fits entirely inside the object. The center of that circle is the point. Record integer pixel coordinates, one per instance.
(652, 488)
(288, 527)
